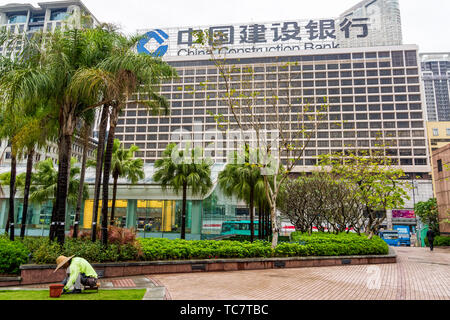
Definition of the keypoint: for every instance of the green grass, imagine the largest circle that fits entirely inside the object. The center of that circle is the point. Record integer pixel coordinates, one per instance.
(135, 294)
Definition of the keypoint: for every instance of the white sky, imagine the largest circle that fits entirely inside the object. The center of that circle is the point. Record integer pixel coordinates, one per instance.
(425, 22)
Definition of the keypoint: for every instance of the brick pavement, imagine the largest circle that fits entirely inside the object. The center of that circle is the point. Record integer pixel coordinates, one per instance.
(418, 275)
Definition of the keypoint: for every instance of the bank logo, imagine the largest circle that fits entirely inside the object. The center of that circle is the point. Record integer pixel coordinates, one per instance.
(153, 43)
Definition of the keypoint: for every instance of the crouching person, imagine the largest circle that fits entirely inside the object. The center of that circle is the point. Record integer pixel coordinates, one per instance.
(79, 272)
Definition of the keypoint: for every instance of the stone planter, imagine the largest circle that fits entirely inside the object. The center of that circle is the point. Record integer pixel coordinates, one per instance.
(42, 274)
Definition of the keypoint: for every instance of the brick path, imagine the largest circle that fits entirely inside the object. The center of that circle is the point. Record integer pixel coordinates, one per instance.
(418, 275)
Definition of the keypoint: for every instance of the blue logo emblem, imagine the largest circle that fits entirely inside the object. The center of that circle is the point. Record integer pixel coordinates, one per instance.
(160, 37)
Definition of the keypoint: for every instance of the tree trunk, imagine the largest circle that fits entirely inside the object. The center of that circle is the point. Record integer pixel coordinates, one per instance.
(52, 231)
(86, 134)
(98, 169)
(273, 215)
(12, 193)
(252, 215)
(65, 151)
(107, 172)
(183, 213)
(260, 222)
(26, 192)
(113, 207)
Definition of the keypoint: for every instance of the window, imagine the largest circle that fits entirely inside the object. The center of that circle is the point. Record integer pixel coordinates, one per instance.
(58, 15)
(18, 18)
(448, 131)
(435, 132)
(439, 165)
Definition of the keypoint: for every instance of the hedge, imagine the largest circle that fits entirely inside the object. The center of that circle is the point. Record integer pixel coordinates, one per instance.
(439, 241)
(43, 251)
(12, 255)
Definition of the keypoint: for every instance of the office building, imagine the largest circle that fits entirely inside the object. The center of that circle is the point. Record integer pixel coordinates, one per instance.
(436, 81)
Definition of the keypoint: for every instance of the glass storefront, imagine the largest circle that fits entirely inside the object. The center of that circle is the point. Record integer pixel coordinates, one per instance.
(157, 216)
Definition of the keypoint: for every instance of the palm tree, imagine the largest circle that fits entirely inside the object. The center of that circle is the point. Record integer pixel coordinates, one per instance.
(192, 173)
(85, 135)
(244, 181)
(132, 73)
(58, 78)
(124, 165)
(45, 183)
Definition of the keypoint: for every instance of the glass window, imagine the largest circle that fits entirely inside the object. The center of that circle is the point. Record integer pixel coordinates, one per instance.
(436, 132)
(59, 14)
(17, 18)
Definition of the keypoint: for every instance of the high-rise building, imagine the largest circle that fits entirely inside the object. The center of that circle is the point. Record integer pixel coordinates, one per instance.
(356, 63)
(436, 80)
(25, 19)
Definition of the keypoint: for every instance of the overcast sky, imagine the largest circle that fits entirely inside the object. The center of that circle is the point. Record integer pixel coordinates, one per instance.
(425, 22)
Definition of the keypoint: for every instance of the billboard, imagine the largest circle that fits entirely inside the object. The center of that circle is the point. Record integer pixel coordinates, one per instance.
(403, 214)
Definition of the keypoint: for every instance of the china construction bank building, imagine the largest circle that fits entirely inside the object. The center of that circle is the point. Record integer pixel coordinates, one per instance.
(355, 63)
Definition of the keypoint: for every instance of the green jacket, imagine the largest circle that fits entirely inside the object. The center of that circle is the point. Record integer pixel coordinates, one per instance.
(78, 266)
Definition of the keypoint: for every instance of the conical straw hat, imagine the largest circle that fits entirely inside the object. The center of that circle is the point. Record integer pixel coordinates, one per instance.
(62, 260)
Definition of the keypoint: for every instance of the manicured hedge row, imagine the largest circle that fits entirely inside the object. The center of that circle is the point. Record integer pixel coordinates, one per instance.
(165, 249)
(439, 241)
(319, 244)
(45, 252)
(12, 255)
(302, 245)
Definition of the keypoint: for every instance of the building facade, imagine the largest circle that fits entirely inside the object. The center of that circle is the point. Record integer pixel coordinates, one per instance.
(371, 92)
(441, 175)
(436, 80)
(355, 64)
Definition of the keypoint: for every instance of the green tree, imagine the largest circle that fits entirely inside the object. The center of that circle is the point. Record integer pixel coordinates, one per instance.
(377, 185)
(243, 180)
(45, 183)
(181, 170)
(427, 211)
(58, 78)
(123, 165)
(86, 132)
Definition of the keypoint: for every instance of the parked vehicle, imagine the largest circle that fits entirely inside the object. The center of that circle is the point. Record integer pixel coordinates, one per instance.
(238, 227)
(404, 234)
(390, 237)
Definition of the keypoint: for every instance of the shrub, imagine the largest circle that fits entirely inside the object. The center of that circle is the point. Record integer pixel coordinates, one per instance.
(165, 249)
(325, 244)
(153, 249)
(116, 235)
(439, 241)
(12, 255)
(47, 252)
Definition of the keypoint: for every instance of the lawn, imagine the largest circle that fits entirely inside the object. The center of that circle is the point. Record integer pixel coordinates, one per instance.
(135, 294)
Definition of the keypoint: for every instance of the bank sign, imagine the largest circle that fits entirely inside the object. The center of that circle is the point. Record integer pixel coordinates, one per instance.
(263, 37)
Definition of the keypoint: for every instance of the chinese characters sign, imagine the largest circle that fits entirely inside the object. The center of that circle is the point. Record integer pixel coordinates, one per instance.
(265, 37)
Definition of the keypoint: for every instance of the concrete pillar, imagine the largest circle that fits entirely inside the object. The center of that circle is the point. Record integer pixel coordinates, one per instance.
(36, 213)
(131, 213)
(3, 213)
(3, 18)
(196, 217)
(390, 225)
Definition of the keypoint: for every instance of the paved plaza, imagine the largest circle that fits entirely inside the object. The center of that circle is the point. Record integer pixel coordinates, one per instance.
(418, 275)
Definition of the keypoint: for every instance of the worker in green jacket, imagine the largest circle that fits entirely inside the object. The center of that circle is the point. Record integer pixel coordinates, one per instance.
(79, 272)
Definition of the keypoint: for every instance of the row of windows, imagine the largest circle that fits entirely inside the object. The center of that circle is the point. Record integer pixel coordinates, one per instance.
(192, 89)
(399, 59)
(296, 76)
